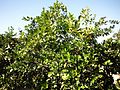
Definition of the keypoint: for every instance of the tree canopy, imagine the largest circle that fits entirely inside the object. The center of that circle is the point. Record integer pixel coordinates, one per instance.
(58, 51)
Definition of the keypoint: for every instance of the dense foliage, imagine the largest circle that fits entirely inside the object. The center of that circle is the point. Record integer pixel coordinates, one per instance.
(60, 52)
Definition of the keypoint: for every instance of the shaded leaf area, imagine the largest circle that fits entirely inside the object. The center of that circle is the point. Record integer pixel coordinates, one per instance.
(60, 52)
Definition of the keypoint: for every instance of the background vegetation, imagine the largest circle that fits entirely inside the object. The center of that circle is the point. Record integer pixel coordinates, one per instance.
(58, 51)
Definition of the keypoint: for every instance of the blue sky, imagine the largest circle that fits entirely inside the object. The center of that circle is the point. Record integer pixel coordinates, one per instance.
(12, 11)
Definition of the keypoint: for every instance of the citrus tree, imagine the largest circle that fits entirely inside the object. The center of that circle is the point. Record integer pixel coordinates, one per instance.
(112, 54)
(59, 51)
